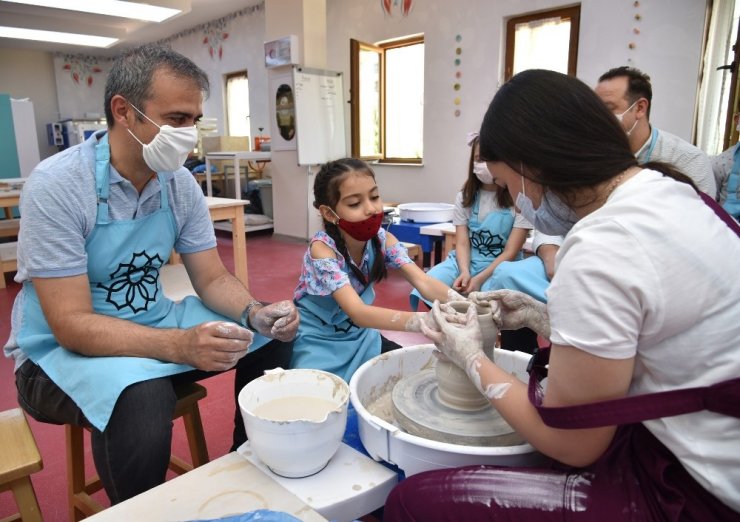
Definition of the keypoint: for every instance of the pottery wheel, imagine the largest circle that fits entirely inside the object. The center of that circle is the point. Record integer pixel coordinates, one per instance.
(419, 411)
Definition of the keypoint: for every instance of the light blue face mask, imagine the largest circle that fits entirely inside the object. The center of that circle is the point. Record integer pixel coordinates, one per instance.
(553, 217)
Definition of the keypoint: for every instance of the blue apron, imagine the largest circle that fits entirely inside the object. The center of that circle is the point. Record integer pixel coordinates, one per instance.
(487, 241)
(653, 141)
(732, 203)
(328, 339)
(124, 259)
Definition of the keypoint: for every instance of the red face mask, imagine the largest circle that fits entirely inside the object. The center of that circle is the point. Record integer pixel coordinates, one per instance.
(363, 230)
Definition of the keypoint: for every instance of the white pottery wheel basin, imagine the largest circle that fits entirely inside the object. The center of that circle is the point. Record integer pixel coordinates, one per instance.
(384, 440)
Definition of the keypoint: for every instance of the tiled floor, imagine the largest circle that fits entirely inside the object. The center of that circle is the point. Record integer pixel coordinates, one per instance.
(274, 267)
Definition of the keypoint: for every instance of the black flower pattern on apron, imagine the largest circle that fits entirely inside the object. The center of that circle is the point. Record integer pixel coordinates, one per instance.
(338, 327)
(136, 279)
(490, 245)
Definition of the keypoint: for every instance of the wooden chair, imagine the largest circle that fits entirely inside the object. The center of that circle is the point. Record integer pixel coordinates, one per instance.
(8, 260)
(81, 503)
(19, 458)
(414, 251)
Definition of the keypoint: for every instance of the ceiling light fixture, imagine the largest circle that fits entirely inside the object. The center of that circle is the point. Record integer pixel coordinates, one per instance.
(135, 10)
(57, 37)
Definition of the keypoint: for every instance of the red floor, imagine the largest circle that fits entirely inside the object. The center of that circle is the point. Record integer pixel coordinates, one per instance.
(274, 267)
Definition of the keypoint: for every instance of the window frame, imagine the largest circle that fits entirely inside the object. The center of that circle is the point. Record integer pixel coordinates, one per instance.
(356, 46)
(572, 13)
(227, 77)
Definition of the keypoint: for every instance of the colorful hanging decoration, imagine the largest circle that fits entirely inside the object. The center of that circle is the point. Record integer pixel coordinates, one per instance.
(81, 68)
(389, 6)
(457, 85)
(214, 35)
(632, 45)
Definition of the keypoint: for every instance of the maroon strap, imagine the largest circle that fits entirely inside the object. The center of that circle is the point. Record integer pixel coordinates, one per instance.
(721, 213)
(723, 397)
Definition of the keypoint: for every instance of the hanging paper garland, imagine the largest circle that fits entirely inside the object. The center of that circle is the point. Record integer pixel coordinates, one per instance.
(456, 86)
(632, 45)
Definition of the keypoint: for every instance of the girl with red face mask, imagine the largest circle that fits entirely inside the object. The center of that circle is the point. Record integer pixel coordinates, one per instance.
(339, 326)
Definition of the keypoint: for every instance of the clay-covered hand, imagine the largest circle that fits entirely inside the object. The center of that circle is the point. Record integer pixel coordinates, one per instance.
(454, 296)
(277, 320)
(516, 310)
(214, 346)
(459, 340)
(419, 318)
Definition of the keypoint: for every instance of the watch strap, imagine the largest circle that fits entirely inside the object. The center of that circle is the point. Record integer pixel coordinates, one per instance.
(245, 314)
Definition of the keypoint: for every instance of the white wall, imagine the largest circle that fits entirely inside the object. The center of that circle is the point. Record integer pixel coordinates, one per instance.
(30, 74)
(243, 49)
(667, 48)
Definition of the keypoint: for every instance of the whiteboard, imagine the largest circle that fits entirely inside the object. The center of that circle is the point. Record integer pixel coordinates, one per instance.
(319, 115)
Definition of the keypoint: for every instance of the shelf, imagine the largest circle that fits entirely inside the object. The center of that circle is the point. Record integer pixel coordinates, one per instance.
(226, 225)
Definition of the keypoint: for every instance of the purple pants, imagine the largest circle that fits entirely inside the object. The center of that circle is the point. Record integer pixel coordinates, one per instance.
(637, 479)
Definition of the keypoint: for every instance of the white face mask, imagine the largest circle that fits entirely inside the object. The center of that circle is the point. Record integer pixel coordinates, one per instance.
(554, 217)
(169, 149)
(480, 169)
(620, 116)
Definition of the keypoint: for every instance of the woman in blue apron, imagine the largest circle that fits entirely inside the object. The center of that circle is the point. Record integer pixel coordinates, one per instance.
(484, 239)
(339, 326)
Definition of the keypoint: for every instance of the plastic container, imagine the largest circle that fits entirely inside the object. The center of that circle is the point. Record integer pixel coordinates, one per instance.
(265, 186)
(426, 212)
(385, 441)
(295, 419)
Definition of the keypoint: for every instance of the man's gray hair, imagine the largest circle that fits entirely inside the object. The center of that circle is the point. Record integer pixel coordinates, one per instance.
(132, 72)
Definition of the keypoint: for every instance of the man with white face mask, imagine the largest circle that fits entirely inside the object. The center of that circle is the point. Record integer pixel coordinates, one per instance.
(94, 340)
(628, 93)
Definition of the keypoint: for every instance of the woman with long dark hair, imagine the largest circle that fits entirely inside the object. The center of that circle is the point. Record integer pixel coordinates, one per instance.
(642, 317)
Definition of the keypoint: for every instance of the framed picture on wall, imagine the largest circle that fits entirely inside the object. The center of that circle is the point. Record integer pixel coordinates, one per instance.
(282, 111)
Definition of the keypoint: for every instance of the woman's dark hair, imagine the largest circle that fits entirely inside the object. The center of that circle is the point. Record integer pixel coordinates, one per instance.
(556, 131)
(326, 192)
(472, 185)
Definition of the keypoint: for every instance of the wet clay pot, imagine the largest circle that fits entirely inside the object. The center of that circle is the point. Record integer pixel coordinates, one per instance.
(453, 385)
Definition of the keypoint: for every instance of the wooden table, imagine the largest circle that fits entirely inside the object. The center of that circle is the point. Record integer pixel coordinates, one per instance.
(8, 200)
(233, 210)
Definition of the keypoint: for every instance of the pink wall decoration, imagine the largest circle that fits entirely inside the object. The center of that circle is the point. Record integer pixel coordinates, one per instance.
(404, 6)
(214, 35)
(81, 68)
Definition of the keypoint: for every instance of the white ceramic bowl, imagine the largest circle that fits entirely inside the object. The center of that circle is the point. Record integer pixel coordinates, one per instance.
(384, 440)
(426, 212)
(295, 419)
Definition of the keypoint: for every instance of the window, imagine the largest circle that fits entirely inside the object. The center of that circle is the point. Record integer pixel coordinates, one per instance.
(387, 100)
(545, 40)
(719, 89)
(237, 104)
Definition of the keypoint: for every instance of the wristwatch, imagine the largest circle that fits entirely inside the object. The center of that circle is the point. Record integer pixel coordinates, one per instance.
(244, 320)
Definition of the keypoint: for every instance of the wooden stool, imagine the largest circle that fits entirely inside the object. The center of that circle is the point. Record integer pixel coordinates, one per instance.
(81, 504)
(19, 457)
